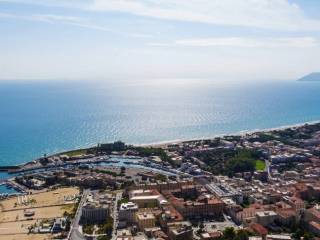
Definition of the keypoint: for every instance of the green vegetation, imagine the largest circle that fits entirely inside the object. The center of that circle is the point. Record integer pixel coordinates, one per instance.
(88, 229)
(287, 167)
(301, 233)
(229, 162)
(70, 214)
(151, 151)
(215, 160)
(297, 230)
(106, 227)
(312, 201)
(126, 184)
(123, 200)
(245, 203)
(104, 237)
(110, 147)
(230, 233)
(260, 165)
(160, 177)
(263, 137)
(33, 201)
(243, 161)
(232, 138)
(75, 152)
(290, 136)
(104, 171)
(187, 196)
(287, 136)
(150, 205)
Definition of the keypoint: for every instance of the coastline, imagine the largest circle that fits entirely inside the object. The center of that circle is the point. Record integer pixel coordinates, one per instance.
(215, 116)
(30, 164)
(178, 141)
(239, 133)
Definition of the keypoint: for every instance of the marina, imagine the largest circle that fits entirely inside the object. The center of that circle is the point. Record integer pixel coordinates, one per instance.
(8, 189)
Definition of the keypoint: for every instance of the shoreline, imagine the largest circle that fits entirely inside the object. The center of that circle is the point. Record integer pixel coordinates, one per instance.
(178, 141)
(239, 133)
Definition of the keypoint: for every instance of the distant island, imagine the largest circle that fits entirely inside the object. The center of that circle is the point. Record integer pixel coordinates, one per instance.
(312, 77)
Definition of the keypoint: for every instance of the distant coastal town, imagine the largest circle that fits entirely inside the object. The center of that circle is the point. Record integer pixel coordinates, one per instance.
(258, 185)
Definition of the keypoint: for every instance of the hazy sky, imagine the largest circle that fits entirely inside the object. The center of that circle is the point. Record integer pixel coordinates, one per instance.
(108, 39)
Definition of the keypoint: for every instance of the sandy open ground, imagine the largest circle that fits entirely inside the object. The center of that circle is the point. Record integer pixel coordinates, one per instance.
(39, 213)
(26, 237)
(47, 205)
(55, 197)
(15, 227)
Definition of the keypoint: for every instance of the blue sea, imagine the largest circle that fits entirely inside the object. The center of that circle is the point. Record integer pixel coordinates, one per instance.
(44, 117)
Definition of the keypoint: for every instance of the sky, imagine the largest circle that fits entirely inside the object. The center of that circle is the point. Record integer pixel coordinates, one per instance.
(159, 39)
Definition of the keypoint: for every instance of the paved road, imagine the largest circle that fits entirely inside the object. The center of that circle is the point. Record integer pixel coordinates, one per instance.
(74, 233)
(115, 215)
(267, 168)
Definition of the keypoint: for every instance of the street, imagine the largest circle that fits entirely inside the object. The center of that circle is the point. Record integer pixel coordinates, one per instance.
(74, 233)
(115, 215)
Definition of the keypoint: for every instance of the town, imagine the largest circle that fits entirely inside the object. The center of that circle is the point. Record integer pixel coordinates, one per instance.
(259, 186)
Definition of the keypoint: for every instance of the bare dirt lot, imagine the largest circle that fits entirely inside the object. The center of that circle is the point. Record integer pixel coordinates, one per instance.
(55, 197)
(26, 237)
(39, 213)
(47, 205)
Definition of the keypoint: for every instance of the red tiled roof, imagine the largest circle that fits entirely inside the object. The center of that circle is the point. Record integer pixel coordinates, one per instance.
(215, 234)
(286, 213)
(315, 225)
(259, 229)
(315, 212)
(296, 200)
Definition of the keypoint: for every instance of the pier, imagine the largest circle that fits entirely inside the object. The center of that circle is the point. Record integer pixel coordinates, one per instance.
(8, 168)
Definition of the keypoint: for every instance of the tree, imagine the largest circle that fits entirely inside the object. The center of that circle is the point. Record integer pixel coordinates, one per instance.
(104, 237)
(201, 226)
(301, 232)
(308, 236)
(88, 229)
(161, 177)
(242, 235)
(243, 161)
(229, 233)
(106, 227)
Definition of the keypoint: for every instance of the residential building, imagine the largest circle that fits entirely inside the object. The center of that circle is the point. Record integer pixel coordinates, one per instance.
(266, 217)
(127, 212)
(145, 220)
(180, 231)
(93, 211)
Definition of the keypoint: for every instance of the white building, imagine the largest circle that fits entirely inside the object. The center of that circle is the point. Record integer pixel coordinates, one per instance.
(127, 212)
(93, 211)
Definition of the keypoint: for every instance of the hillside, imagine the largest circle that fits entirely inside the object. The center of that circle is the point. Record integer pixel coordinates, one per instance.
(312, 77)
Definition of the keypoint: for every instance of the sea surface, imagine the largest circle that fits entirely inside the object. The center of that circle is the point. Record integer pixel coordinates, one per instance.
(45, 117)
